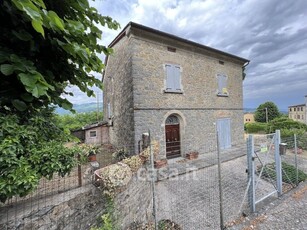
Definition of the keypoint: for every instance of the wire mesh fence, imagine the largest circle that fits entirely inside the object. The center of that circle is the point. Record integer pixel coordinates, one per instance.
(45, 207)
(294, 160)
(207, 190)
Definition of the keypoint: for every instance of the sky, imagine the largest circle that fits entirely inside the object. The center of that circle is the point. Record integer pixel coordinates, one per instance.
(272, 34)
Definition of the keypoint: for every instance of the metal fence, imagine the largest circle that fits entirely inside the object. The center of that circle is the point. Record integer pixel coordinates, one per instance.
(201, 191)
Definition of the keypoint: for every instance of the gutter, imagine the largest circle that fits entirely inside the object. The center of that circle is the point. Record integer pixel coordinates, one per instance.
(243, 69)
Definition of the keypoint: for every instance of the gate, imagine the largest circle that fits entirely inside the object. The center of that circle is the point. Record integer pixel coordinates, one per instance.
(264, 168)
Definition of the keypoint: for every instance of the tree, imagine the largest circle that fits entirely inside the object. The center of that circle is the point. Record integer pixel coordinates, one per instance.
(78, 120)
(267, 110)
(31, 147)
(45, 45)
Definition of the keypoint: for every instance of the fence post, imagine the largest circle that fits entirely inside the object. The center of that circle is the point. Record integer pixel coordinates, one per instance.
(278, 163)
(220, 181)
(153, 179)
(251, 173)
(295, 151)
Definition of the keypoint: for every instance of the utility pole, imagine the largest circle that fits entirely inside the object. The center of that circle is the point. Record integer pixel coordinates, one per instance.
(266, 115)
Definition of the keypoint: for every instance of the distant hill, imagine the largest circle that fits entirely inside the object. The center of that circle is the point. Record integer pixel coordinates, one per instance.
(251, 110)
(80, 108)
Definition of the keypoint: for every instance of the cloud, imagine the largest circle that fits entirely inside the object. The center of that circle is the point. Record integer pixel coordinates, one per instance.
(272, 34)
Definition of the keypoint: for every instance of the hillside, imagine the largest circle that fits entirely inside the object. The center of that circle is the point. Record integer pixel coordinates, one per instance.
(80, 108)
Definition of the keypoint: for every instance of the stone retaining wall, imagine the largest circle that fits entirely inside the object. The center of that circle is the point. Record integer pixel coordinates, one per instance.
(80, 208)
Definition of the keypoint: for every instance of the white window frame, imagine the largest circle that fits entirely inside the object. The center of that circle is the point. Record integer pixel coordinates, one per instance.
(222, 83)
(92, 131)
(173, 84)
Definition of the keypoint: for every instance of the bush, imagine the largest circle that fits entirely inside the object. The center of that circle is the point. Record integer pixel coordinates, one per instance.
(288, 173)
(286, 123)
(256, 127)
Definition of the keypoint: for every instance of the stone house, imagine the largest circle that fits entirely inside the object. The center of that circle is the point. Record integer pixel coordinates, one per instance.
(97, 133)
(249, 118)
(179, 90)
(298, 112)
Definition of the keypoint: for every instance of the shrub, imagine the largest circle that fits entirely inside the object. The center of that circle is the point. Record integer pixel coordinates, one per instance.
(288, 173)
(133, 162)
(120, 155)
(256, 127)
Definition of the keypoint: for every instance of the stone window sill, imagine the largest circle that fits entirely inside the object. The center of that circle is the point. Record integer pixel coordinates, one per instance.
(222, 95)
(173, 91)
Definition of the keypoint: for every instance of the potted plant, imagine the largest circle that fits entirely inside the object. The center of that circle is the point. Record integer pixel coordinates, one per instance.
(160, 163)
(192, 155)
(89, 151)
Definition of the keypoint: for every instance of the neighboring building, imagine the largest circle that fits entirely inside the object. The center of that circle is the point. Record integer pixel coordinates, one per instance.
(179, 90)
(97, 133)
(298, 112)
(249, 118)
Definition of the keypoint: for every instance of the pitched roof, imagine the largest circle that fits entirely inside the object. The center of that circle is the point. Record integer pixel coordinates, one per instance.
(132, 25)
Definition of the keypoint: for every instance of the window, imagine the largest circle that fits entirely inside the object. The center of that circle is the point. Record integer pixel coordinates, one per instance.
(294, 109)
(290, 109)
(222, 85)
(93, 133)
(298, 117)
(173, 78)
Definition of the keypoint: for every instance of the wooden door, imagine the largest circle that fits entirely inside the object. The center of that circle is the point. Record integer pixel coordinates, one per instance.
(172, 135)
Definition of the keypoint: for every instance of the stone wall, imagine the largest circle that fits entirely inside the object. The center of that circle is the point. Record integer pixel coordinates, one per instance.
(197, 128)
(118, 91)
(80, 208)
(135, 82)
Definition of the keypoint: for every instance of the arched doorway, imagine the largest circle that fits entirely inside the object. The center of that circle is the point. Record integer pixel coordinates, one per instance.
(172, 137)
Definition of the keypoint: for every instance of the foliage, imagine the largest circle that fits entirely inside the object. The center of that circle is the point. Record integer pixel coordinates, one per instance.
(109, 218)
(167, 224)
(120, 154)
(30, 149)
(286, 123)
(273, 112)
(255, 127)
(288, 173)
(133, 162)
(46, 45)
(78, 120)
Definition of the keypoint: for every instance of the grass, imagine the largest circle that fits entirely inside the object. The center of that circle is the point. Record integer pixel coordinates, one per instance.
(289, 173)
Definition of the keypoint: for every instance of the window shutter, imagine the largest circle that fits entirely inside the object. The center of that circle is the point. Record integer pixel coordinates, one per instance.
(222, 84)
(169, 77)
(177, 77)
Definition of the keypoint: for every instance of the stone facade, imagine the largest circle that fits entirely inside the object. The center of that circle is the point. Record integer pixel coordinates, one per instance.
(139, 79)
(298, 112)
(249, 118)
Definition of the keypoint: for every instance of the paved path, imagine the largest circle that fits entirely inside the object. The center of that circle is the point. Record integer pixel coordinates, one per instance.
(288, 212)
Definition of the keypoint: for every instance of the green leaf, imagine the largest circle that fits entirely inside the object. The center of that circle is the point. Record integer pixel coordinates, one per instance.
(40, 3)
(19, 105)
(27, 97)
(37, 25)
(56, 19)
(22, 35)
(66, 105)
(6, 69)
(28, 79)
(31, 10)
